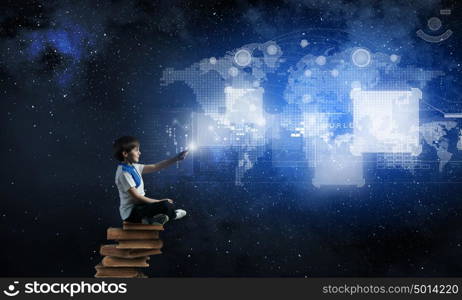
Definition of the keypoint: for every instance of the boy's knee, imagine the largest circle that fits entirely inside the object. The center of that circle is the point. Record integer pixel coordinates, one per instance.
(166, 204)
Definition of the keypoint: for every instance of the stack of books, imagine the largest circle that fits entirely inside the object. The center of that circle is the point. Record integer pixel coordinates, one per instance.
(135, 243)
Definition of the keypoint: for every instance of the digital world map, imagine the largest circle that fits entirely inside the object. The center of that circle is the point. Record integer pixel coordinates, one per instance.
(321, 114)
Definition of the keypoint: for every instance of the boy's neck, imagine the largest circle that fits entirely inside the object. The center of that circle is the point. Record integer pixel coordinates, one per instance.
(126, 162)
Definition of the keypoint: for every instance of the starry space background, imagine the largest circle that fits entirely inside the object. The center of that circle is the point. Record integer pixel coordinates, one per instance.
(75, 75)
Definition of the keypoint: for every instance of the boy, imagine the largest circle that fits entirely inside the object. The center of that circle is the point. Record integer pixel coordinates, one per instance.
(134, 205)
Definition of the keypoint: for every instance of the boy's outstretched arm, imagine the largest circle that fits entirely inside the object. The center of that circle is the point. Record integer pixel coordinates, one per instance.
(132, 191)
(165, 163)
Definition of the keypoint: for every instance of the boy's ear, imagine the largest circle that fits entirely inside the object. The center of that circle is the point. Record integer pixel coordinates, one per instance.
(124, 153)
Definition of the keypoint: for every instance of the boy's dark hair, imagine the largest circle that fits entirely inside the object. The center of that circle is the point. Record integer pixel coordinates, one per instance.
(124, 143)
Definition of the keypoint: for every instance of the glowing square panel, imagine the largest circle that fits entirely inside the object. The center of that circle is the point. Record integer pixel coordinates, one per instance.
(386, 121)
(335, 165)
(338, 169)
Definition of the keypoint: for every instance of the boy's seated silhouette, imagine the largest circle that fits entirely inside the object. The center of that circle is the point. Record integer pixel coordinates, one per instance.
(134, 205)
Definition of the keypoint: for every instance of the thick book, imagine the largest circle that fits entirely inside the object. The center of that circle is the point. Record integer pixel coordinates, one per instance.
(121, 234)
(112, 261)
(111, 250)
(139, 244)
(112, 272)
(139, 226)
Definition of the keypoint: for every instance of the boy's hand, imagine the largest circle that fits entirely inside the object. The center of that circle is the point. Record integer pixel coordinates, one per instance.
(182, 155)
(169, 200)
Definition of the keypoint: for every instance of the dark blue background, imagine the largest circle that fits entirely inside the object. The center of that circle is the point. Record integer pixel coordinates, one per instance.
(76, 75)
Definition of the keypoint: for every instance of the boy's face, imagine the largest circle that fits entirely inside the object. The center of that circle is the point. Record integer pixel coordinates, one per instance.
(134, 155)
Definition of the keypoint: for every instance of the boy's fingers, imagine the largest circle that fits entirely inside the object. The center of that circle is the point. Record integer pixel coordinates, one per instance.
(182, 155)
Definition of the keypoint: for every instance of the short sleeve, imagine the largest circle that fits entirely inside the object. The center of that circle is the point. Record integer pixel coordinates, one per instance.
(140, 168)
(126, 181)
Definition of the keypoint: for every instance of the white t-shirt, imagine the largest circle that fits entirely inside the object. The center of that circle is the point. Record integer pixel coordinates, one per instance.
(128, 176)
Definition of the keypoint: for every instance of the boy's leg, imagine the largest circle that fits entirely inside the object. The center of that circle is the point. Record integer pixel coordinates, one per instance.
(152, 209)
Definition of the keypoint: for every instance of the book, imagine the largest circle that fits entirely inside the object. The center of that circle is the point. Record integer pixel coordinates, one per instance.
(121, 234)
(139, 244)
(111, 261)
(139, 226)
(111, 250)
(112, 272)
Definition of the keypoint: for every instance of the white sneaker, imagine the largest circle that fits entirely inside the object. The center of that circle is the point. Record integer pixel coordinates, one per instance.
(180, 213)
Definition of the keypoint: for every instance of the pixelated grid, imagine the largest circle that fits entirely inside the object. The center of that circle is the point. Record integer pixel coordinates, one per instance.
(319, 117)
(400, 161)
